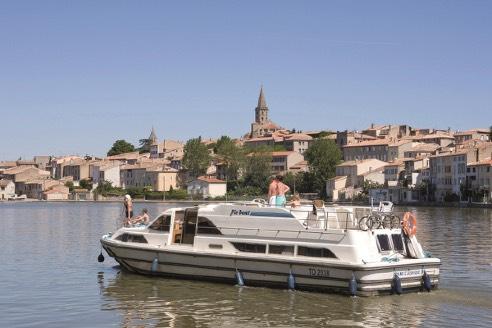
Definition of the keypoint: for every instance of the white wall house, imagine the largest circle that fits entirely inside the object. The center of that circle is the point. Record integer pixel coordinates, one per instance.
(207, 187)
(7, 189)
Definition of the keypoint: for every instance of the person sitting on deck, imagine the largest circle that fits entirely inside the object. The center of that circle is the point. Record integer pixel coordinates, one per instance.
(141, 219)
(295, 201)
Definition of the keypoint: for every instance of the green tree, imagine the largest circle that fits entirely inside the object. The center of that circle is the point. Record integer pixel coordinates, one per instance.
(231, 155)
(297, 182)
(121, 147)
(490, 133)
(322, 156)
(196, 157)
(86, 184)
(144, 145)
(104, 187)
(258, 169)
(69, 184)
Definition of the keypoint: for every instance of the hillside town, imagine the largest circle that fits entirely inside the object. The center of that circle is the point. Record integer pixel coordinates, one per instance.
(396, 162)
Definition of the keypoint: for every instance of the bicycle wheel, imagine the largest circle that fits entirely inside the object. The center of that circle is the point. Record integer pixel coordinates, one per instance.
(395, 222)
(363, 223)
(373, 222)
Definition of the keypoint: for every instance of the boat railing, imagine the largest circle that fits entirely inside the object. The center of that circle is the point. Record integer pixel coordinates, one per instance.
(327, 218)
(271, 233)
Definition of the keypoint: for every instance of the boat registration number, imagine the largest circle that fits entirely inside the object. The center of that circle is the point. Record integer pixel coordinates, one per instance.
(409, 273)
(319, 272)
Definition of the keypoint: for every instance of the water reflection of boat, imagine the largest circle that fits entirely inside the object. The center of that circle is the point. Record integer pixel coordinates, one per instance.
(252, 244)
(147, 302)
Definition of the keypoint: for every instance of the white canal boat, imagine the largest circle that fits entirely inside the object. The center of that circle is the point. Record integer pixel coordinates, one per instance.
(348, 250)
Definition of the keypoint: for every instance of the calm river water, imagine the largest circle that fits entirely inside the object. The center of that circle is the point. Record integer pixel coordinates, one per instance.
(50, 277)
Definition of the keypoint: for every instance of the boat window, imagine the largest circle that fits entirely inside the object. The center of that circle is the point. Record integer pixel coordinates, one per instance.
(162, 223)
(315, 252)
(126, 237)
(281, 249)
(215, 246)
(250, 248)
(397, 242)
(206, 227)
(383, 243)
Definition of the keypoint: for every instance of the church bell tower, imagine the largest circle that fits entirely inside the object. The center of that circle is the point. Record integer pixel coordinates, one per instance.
(261, 111)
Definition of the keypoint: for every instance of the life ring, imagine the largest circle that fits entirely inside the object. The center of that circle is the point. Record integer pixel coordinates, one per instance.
(409, 224)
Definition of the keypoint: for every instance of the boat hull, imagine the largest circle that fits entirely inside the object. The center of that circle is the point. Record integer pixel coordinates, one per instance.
(186, 263)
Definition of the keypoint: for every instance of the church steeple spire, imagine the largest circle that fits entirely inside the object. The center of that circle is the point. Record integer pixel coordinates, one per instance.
(261, 111)
(261, 99)
(153, 137)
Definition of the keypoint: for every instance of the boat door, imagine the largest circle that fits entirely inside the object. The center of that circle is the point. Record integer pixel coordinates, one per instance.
(176, 234)
(189, 225)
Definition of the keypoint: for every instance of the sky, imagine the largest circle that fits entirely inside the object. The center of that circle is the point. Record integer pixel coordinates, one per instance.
(77, 75)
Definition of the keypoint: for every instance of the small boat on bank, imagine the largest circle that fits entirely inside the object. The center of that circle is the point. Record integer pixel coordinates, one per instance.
(325, 249)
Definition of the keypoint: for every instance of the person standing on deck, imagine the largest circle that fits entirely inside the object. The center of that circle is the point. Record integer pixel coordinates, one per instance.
(273, 192)
(282, 189)
(128, 204)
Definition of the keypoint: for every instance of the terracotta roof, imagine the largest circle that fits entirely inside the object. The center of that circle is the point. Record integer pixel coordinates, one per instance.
(259, 139)
(8, 164)
(125, 156)
(425, 147)
(17, 169)
(26, 162)
(144, 165)
(397, 162)
(271, 125)
(210, 179)
(471, 131)
(357, 162)
(375, 170)
(298, 136)
(438, 135)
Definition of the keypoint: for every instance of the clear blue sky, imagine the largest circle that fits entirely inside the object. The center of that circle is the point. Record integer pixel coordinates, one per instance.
(75, 76)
